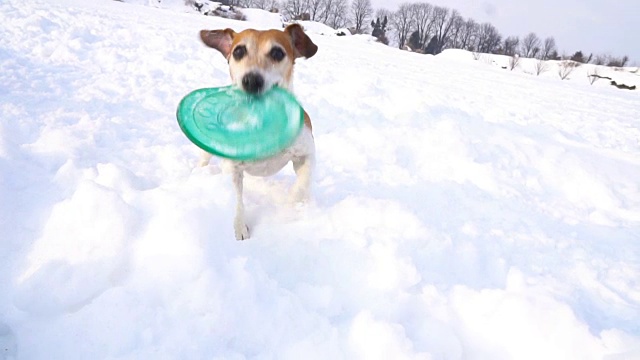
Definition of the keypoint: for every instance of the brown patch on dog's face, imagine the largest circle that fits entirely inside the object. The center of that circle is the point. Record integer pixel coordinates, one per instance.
(259, 60)
(268, 54)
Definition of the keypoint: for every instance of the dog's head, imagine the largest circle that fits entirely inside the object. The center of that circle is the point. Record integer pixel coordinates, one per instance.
(259, 60)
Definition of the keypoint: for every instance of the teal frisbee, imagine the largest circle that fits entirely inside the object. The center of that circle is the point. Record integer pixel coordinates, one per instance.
(230, 123)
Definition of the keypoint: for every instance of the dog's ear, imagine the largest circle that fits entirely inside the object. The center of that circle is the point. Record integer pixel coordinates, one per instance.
(302, 45)
(220, 40)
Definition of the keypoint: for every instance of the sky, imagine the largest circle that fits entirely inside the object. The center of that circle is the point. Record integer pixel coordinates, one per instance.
(596, 26)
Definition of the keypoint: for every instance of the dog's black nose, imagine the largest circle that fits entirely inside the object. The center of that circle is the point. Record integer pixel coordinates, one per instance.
(253, 83)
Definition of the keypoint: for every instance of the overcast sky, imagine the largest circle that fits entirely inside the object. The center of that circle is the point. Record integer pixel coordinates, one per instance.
(598, 26)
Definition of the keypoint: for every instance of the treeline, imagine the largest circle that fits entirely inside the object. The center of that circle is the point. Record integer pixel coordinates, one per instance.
(334, 13)
(424, 28)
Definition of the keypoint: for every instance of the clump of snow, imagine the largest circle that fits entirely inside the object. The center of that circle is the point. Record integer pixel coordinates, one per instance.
(460, 210)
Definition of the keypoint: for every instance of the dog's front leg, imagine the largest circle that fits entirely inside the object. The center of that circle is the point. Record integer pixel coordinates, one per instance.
(205, 157)
(239, 225)
(303, 166)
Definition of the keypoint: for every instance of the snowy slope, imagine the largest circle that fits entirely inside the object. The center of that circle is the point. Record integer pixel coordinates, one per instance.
(552, 69)
(460, 211)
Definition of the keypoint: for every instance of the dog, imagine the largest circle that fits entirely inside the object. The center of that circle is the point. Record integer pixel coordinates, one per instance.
(259, 60)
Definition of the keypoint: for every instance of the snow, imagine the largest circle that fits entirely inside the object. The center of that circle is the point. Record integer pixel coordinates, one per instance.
(262, 20)
(461, 211)
(628, 76)
(314, 27)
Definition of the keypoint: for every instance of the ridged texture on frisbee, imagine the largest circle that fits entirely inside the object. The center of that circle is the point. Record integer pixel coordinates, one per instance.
(230, 123)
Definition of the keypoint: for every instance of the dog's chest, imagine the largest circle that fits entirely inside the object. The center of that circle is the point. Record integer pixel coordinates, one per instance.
(303, 146)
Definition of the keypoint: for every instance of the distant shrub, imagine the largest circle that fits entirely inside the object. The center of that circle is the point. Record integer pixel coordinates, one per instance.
(566, 67)
(514, 61)
(600, 59)
(432, 46)
(540, 67)
(380, 30)
(594, 75)
(578, 57)
(414, 41)
(618, 62)
(304, 17)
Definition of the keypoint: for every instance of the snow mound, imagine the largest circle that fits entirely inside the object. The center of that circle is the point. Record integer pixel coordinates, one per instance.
(262, 19)
(456, 55)
(317, 27)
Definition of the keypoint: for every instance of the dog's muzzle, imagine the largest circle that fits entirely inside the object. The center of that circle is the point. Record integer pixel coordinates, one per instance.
(253, 83)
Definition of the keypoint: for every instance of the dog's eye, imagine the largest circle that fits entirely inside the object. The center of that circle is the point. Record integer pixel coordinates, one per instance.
(277, 53)
(239, 52)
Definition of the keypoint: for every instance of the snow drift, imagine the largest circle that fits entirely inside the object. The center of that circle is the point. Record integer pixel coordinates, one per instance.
(460, 211)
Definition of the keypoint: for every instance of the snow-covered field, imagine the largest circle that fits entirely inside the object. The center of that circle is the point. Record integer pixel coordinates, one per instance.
(461, 211)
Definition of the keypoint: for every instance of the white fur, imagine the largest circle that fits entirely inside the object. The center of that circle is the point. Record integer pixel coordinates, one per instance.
(301, 154)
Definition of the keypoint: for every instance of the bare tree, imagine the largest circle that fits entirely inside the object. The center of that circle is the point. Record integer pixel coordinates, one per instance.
(333, 13)
(548, 48)
(443, 20)
(327, 9)
(530, 45)
(600, 59)
(232, 2)
(337, 14)
(294, 8)
(510, 46)
(456, 33)
(361, 11)
(264, 4)
(450, 31)
(422, 19)
(468, 33)
(401, 22)
(316, 9)
(382, 13)
(488, 39)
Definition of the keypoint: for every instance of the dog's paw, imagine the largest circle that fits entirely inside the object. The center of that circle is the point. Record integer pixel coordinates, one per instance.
(242, 232)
